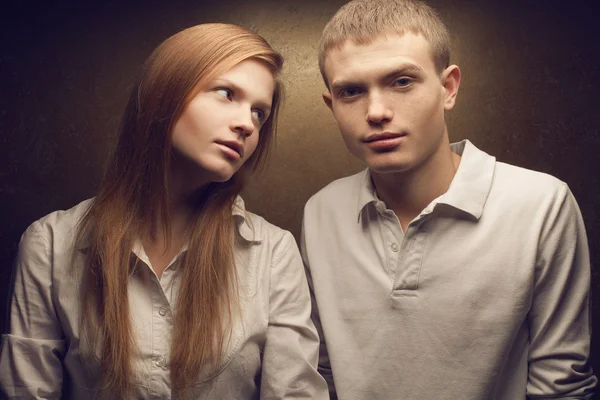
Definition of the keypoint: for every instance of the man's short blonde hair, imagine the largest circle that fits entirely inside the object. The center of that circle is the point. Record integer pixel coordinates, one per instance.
(362, 21)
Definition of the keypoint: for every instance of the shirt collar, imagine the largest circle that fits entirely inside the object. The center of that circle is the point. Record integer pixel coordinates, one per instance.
(366, 190)
(468, 190)
(243, 222)
(243, 225)
(471, 185)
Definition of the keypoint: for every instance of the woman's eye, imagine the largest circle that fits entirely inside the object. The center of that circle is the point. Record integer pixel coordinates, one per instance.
(349, 92)
(403, 82)
(224, 92)
(258, 115)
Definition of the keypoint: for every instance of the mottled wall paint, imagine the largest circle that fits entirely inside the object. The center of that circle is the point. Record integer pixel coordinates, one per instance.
(529, 96)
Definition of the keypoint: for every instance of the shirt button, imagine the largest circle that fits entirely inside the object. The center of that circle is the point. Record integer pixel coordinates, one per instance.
(163, 311)
(160, 362)
(394, 247)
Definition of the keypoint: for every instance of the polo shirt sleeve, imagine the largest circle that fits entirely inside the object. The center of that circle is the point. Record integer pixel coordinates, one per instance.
(559, 319)
(289, 369)
(32, 352)
(324, 367)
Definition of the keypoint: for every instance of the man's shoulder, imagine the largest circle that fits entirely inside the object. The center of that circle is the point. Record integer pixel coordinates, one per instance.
(527, 180)
(340, 191)
(525, 188)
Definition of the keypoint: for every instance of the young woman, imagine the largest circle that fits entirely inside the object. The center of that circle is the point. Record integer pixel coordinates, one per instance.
(163, 285)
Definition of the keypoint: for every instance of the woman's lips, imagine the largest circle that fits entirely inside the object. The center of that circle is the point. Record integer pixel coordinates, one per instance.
(233, 149)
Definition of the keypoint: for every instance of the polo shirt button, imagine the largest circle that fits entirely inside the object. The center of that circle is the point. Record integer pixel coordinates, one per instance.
(163, 311)
(394, 247)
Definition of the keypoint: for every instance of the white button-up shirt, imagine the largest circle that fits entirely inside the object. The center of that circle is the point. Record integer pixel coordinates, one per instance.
(485, 296)
(272, 353)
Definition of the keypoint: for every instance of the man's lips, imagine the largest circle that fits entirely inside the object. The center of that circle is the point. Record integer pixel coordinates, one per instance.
(382, 136)
(385, 141)
(231, 147)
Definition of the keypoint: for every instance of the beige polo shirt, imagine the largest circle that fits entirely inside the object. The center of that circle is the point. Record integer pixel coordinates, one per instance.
(485, 296)
(272, 353)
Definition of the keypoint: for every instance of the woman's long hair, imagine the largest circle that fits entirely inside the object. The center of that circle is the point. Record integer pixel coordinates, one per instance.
(135, 189)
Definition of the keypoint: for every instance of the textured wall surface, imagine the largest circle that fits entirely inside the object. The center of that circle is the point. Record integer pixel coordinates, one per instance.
(530, 96)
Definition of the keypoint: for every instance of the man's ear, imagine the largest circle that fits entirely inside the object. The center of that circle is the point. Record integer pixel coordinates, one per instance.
(451, 82)
(327, 99)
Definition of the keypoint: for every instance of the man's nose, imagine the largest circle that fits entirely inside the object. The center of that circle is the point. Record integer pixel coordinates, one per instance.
(378, 110)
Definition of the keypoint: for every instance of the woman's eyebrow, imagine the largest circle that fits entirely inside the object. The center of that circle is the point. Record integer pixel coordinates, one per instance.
(237, 88)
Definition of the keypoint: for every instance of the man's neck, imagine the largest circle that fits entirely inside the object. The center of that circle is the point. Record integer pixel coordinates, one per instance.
(408, 193)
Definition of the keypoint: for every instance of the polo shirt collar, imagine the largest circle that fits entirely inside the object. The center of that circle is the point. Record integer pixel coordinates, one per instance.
(471, 185)
(468, 190)
(366, 190)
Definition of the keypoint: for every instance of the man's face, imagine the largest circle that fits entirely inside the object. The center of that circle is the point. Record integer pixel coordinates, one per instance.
(389, 101)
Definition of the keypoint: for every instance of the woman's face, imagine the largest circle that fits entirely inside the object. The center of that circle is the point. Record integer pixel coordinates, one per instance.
(218, 131)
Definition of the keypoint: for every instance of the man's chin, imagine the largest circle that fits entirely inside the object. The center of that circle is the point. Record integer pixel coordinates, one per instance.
(389, 168)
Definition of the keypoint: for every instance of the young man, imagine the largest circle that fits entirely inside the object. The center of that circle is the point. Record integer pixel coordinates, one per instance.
(438, 272)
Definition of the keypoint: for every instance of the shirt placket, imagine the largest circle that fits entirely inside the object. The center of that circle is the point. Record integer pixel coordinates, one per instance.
(162, 323)
(411, 258)
(404, 250)
(392, 237)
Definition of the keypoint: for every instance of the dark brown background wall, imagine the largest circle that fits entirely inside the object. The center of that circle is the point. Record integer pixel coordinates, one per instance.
(530, 96)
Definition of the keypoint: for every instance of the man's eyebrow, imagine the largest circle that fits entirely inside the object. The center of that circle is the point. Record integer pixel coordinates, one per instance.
(342, 83)
(221, 81)
(407, 68)
(404, 69)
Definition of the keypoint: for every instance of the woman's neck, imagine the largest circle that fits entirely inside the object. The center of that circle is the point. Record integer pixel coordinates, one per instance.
(162, 245)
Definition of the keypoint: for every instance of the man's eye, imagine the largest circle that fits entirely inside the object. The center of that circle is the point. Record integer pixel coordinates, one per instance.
(403, 81)
(349, 92)
(225, 92)
(259, 115)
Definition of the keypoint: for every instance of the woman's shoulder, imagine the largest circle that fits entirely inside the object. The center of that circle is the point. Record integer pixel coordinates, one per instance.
(255, 228)
(56, 229)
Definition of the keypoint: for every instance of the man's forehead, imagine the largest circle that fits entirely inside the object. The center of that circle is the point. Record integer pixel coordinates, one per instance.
(386, 51)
